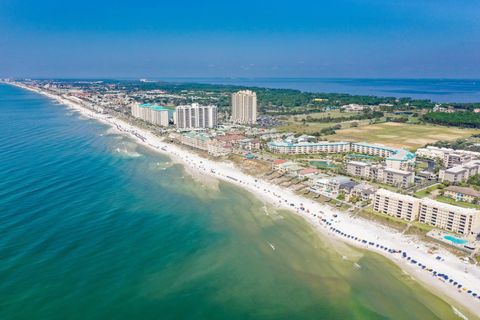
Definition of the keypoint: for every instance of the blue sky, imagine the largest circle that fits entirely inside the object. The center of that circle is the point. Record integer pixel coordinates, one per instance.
(342, 38)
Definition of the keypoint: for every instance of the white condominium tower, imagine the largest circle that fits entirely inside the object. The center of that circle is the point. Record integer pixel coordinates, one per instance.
(244, 107)
(195, 116)
(151, 113)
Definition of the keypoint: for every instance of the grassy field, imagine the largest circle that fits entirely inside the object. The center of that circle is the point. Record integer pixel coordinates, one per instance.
(457, 203)
(320, 115)
(395, 134)
(425, 192)
(310, 127)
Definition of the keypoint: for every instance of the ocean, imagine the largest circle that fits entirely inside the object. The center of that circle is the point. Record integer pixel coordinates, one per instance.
(437, 90)
(94, 226)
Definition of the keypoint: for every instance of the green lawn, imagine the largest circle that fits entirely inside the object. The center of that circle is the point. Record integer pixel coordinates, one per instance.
(457, 203)
(319, 115)
(425, 192)
(396, 134)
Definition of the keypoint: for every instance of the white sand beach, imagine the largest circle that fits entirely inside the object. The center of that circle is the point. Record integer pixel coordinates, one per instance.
(399, 248)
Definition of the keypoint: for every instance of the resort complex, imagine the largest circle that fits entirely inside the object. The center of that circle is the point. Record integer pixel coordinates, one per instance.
(432, 192)
(150, 113)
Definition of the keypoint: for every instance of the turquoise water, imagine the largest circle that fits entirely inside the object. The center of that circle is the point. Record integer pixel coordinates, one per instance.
(93, 226)
(455, 240)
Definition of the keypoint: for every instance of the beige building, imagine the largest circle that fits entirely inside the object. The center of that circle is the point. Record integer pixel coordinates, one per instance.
(394, 177)
(396, 204)
(395, 158)
(359, 169)
(195, 116)
(452, 218)
(244, 107)
(286, 147)
(460, 172)
(462, 194)
(398, 178)
(454, 159)
(150, 113)
(465, 221)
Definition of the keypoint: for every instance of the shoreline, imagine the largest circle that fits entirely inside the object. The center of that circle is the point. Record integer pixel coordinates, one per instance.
(351, 230)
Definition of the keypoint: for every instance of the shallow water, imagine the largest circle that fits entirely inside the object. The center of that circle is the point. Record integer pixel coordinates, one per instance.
(90, 232)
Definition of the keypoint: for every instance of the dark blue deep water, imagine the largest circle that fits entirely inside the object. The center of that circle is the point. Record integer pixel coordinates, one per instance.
(437, 90)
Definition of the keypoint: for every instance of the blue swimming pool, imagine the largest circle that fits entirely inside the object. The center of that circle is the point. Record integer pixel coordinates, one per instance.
(455, 240)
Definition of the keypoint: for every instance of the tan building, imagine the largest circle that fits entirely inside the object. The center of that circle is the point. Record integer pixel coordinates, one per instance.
(462, 194)
(452, 218)
(393, 177)
(454, 159)
(465, 221)
(244, 107)
(398, 178)
(396, 204)
(286, 147)
(395, 158)
(460, 172)
(359, 169)
(150, 113)
(195, 116)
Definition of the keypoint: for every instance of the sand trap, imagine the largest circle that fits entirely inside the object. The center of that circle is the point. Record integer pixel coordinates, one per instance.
(394, 124)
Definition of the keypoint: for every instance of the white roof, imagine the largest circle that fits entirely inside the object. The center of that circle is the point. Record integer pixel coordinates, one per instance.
(395, 195)
(448, 207)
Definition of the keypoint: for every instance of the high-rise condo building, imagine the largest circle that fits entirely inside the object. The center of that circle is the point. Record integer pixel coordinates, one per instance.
(195, 116)
(151, 113)
(244, 107)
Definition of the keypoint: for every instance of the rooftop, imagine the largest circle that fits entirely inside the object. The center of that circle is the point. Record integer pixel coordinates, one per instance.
(399, 154)
(305, 144)
(153, 106)
(388, 193)
(397, 171)
(464, 190)
(448, 207)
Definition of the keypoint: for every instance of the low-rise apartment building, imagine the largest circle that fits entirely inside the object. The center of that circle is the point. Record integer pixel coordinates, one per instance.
(450, 157)
(454, 159)
(396, 205)
(390, 176)
(446, 216)
(398, 178)
(460, 173)
(462, 194)
(285, 147)
(395, 158)
(465, 221)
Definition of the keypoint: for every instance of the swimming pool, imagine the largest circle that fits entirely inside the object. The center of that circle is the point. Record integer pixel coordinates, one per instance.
(455, 240)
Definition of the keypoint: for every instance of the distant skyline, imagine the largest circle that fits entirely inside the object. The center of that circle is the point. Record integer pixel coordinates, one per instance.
(157, 39)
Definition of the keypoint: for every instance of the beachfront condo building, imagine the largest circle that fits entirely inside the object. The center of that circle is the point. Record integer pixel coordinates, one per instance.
(151, 113)
(396, 205)
(244, 107)
(465, 221)
(452, 218)
(195, 116)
